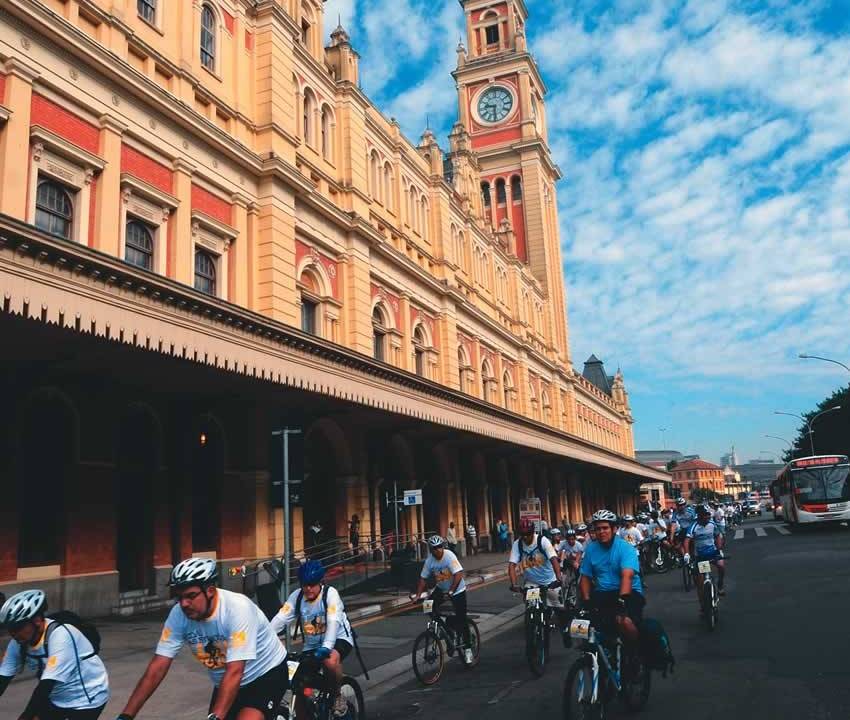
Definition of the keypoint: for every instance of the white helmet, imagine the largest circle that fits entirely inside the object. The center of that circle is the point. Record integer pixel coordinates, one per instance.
(194, 571)
(22, 607)
(435, 541)
(604, 516)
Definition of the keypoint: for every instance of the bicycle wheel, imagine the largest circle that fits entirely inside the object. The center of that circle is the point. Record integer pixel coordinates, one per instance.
(687, 580)
(428, 658)
(637, 682)
(475, 645)
(578, 691)
(535, 646)
(350, 690)
(659, 560)
(709, 613)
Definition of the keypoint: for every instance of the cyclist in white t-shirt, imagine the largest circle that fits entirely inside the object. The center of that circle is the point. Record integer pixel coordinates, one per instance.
(72, 680)
(229, 635)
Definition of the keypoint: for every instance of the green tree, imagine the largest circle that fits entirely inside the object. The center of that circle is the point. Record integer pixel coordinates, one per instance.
(701, 495)
(831, 432)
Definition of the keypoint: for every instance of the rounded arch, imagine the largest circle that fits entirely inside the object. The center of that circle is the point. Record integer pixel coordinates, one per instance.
(501, 194)
(375, 179)
(388, 186)
(490, 14)
(516, 188)
(211, 24)
(463, 357)
(487, 369)
(317, 277)
(485, 194)
(381, 314)
(337, 442)
(209, 459)
(423, 333)
(308, 116)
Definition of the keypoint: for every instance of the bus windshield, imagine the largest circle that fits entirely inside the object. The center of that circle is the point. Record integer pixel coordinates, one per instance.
(822, 485)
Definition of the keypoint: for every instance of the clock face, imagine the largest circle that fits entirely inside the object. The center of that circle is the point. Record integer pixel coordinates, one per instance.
(495, 104)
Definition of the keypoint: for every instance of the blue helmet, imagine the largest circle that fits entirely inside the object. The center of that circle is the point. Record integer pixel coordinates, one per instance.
(311, 572)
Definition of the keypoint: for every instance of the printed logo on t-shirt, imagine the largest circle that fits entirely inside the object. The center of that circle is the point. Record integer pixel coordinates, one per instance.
(166, 633)
(210, 652)
(442, 575)
(238, 639)
(316, 626)
(535, 560)
(51, 661)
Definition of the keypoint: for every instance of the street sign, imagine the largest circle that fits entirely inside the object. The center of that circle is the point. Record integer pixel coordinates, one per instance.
(530, 508)
(412, 497)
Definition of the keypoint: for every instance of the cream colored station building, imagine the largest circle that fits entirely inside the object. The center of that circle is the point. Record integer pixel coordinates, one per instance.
(209, 232)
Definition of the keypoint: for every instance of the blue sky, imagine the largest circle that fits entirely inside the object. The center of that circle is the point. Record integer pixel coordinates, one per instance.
(705, 208)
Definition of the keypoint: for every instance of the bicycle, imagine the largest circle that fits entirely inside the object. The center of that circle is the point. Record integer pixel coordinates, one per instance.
(601, 673)
(438, 640)
(655, 555)
(307, 680)
(569, 592)
(537, 626)
(709, 598)
(687, 578)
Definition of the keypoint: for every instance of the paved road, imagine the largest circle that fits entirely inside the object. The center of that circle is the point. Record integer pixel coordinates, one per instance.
(779, 652)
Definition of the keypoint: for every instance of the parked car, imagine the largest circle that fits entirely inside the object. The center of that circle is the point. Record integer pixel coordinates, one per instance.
(752, 507)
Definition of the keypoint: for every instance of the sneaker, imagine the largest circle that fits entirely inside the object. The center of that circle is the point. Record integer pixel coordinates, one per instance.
(340, 707)
(468, 657)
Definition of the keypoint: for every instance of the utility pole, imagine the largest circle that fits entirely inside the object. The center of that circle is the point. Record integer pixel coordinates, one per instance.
(287, 525)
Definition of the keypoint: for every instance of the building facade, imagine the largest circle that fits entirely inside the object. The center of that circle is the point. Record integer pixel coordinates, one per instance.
(208, 232)
(693, 475)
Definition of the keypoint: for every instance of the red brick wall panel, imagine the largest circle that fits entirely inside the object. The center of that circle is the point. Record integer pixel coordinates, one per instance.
(228, 21)
(2, 88)
(230, 531)
(518, 221)
(142, 167)
(91, 531)
(249, 41)
(211, 205)
(64, 123)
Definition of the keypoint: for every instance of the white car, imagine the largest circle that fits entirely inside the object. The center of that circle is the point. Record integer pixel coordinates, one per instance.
(752, 507)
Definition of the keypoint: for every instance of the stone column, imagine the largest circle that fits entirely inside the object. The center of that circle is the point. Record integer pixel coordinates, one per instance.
(238, 266)
(107, 231)
(15, 139)
(181, 261)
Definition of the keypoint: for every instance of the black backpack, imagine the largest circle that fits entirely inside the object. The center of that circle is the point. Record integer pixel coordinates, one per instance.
(539, 547)
(89, 631)
(655, 647)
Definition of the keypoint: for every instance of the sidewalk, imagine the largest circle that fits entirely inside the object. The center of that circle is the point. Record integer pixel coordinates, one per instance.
(478, 569)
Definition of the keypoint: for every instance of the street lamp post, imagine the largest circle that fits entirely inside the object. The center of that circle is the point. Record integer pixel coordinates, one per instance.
(804, 356)
(809, 423)
(663, 437)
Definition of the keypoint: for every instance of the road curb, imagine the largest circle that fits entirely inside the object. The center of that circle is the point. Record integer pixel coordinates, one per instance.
(389, 605)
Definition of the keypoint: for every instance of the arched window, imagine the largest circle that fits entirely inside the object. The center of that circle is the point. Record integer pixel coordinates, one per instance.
(388, 186)
(208, 37)
(423, 222)
(487, 380)
(412, 215)
(327, 134)
(54, 212)
(507, 389)
(147, 10)
(516, 188)
(464, 373)
(491, 32)
(306, 27)
(547, 407)
(309, 114)
(485, 194)
(419, 344)
(138, 245)
(501, 198)
(374, 176)
(205, 279)
(379, 333)
(310, 293)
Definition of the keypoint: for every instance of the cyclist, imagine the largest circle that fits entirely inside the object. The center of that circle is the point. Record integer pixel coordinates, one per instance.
(556, 538)
(229, 635)
(534, 556)
(569, 552)
(706, 541)
(447, 571)
(319, 612)
(629, 532)
(581, 533)
(72, 680)
(719, 516)
(641, 524)
(610, 579)
(683, 518)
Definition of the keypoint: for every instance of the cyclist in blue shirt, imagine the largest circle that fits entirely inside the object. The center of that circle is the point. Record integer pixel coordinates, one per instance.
(705, 541)
(610, 578)
(683, 518)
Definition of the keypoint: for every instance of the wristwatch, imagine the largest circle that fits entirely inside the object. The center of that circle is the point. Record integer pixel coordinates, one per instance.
(212, 716)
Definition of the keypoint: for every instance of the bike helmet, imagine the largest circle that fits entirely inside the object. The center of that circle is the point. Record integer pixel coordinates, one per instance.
(526, 526)
(556, 531)
(704, 509)
(23, 607)
(581, 528)
(571, 533)
(604, 516)
(194, 571)
(311, 572)
(681, 502)
(628, 518)
(435, 541)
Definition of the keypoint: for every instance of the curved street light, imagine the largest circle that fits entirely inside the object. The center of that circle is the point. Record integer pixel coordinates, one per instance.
(809, 423)
(804, 356)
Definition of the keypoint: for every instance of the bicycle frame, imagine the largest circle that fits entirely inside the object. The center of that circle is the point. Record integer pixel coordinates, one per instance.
(594, 649)
(437, 624)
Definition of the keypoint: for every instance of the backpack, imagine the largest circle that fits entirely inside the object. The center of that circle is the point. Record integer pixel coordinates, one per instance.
(539, 547)
(89, 631)
(655, 647)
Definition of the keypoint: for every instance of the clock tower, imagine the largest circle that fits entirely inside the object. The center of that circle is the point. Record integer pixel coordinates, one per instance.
(501, 105)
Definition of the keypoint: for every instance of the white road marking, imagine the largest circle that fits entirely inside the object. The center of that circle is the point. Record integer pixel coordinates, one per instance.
(499, 696)
(782, 530)
(760, 532)
(739, 533)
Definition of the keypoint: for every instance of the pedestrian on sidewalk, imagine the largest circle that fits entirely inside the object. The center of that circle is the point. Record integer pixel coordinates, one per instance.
(354, 535)
(472, 536)
(451, 537)
(502, 529)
